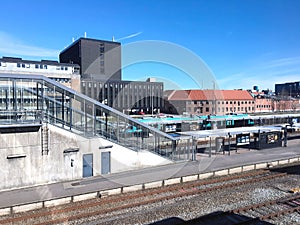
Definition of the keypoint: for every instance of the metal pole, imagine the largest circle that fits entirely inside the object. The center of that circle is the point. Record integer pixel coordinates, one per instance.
(209, 146)
(285, 136)
(229, 143)
(258, 144)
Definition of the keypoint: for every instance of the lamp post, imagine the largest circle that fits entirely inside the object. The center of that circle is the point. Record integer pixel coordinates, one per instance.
(229, 136)
(285, 136)
(210, 146)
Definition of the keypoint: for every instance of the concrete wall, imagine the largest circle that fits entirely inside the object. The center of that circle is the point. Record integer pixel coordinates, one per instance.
(31, 167)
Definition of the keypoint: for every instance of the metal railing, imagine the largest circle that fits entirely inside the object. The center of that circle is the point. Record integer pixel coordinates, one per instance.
(33, 98)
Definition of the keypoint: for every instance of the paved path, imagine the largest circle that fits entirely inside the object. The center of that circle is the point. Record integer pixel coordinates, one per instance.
(93, 184)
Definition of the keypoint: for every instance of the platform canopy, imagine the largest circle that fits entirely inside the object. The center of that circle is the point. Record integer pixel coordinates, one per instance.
(232, 131)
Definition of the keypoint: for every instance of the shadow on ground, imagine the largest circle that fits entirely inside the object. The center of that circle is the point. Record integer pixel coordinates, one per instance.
(293, 169)
(215, 218)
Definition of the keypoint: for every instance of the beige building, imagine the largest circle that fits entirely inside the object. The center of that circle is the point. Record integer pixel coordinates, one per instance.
(207, 102)
(267, 104)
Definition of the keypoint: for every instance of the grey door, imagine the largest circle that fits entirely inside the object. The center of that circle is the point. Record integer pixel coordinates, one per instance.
(105, 162)
(87, 165)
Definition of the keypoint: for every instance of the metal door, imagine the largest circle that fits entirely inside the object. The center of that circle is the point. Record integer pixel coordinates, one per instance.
(105, 162)
(87, 165)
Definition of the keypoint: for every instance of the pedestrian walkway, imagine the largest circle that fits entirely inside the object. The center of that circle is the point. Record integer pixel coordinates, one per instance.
(203, 164)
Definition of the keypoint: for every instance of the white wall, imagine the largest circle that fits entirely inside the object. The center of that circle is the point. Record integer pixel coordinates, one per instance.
(35, 168)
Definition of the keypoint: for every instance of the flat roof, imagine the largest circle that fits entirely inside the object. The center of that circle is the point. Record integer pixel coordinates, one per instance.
(88, 39)
(169, 120)
(46, 62)
(232, 131)
(19, 128)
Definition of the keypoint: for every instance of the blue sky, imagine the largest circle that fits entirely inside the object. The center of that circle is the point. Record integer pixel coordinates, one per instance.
(243, 42)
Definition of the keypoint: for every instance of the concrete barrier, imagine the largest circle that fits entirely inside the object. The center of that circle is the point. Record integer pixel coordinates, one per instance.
(206, 175)
(172, 181)
(110, 192)
(261, 166)
(5, 211)
(132, 188)
(154, 184)
(221, 172)
(83, 197)
(281, 162)
(56, 202)
(293, 160)
(189, 178)
(273, 163)
(27, 207)
(248, 168)
(235, 170)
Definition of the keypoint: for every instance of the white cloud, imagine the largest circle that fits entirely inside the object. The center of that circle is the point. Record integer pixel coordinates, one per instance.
(262, 80)
(283, 62)
(265, 75)
(129, 36)
(11, 46)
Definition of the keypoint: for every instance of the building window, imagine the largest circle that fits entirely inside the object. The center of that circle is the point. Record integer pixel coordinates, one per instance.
(101, 48)
(36, 66)
(18, 65)
(23, 65)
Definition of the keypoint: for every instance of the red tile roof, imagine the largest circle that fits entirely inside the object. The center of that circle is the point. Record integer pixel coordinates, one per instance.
(193, 95)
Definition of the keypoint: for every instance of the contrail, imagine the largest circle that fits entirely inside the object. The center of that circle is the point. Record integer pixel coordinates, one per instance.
(129, 36)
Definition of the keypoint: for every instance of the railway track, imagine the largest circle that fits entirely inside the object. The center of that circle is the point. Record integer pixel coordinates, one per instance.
(270, 210)
(105, 206)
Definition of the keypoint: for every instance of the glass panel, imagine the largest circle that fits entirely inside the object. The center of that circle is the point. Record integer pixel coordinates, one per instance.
(30, 99)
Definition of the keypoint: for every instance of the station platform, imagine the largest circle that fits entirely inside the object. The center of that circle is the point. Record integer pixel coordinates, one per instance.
(203, 164)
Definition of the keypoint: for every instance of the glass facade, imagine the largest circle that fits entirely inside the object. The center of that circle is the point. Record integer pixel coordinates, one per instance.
(37, 99)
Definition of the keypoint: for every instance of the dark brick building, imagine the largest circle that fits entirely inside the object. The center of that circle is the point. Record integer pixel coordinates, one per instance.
(291, 89)
(101, 77)
(98, 60)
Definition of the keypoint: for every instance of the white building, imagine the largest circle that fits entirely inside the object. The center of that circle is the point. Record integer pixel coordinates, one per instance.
(65, 73)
